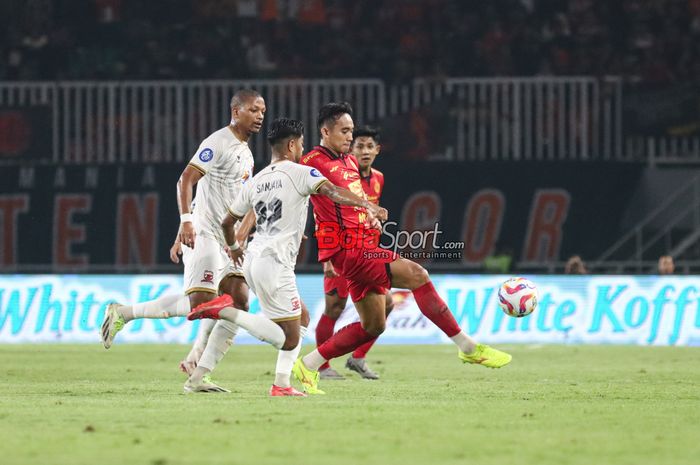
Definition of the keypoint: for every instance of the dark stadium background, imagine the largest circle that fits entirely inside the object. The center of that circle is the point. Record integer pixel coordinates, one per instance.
(538, 129)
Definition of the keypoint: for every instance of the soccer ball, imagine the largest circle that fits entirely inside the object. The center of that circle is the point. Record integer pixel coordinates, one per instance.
(517, 297)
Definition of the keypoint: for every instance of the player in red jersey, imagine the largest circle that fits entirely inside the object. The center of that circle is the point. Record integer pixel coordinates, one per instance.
(365, 147)
(370, 272)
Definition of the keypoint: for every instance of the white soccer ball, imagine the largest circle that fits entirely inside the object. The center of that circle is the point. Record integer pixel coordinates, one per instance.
(518, 297)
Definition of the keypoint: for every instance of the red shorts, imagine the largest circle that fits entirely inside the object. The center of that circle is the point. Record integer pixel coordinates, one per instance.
(365, 270)
(337, 285)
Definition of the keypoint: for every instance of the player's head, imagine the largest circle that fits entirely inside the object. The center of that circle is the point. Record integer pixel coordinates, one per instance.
(286, 137)
(365, 146)
(248, 110)
(335, 126)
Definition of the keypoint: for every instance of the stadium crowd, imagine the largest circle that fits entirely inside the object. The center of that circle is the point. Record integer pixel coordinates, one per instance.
(655, 41)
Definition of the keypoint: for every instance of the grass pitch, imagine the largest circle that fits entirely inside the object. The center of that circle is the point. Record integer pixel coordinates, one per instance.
(70, 404)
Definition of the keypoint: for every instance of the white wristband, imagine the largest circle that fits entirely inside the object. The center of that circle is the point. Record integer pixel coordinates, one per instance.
(234, 246)
(186, 218)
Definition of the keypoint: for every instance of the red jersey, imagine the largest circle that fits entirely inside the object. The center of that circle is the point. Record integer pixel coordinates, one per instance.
(342, 170)
(373, 185)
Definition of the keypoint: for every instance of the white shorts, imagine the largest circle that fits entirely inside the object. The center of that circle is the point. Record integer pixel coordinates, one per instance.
(206, 265)
(274, 284)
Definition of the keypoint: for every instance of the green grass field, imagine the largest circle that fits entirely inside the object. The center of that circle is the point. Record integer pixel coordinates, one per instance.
(78, 404)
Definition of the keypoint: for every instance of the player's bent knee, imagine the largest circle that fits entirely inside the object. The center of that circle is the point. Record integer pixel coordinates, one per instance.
(419, 276)
(197, 298)
(290, 342)
(389, 305)
(334, 311)
(374, 328)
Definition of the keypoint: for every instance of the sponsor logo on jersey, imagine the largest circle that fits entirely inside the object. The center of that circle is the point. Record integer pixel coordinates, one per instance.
(334, 169)
(314, 172)
(208, 277)
(206, 155)
(310, 156)
(376, 187)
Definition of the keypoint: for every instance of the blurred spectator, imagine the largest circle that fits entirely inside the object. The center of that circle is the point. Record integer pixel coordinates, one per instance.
(500, 262)
(666, 265)
(575, 265)
(397, 40)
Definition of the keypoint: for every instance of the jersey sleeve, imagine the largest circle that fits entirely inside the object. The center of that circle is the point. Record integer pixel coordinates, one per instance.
(308, 180)
(207, 155)
(242, 203)
(380, 179)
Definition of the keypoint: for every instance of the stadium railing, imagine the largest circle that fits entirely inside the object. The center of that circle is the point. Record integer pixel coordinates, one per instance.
(154, 122)
(537, 118)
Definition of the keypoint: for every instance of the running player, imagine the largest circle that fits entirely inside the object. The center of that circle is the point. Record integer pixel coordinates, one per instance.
(279, 195)
(370, 273)
(219, 168)
(365, 147)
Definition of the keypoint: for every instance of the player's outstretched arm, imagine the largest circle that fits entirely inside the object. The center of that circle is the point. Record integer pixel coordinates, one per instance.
(246, 226)
(345, 197)
(185, 187)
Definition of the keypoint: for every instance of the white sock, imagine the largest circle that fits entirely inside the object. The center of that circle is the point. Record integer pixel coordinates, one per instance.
(285, 362)
(257, 325)
(219, 341)
(165, 307)
(313, 360)
(205, 328)
(465, 343)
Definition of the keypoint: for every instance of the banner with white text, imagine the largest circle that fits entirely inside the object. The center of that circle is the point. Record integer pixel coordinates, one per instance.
(645, 310)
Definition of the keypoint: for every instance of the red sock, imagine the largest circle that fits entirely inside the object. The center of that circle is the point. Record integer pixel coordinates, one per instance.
(435, 309)
(324, 331)
(344, 341)
(361, 352)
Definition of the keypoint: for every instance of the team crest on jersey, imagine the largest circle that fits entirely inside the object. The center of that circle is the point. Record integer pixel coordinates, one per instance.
(296, 304)
(376, 187)
(314, 172)
(206, 155)
(208, 277)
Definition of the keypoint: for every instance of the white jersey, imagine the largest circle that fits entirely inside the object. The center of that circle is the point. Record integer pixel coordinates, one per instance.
(225, 163)
(280, 196)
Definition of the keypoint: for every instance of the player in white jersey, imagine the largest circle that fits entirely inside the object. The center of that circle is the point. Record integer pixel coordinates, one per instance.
(219, 168)
(279, 195)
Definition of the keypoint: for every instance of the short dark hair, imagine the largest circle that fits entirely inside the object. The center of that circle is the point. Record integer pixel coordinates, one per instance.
(284, 128)
(243, 96)
(330, 112)
(366, 131)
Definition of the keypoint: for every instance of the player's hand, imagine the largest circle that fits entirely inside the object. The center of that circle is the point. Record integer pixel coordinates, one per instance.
(328, 270)
(175, 250)
(236, 256)
(379, 213)
(187, 234)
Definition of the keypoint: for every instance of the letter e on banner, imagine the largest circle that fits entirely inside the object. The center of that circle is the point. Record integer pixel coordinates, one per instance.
(67, 232)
